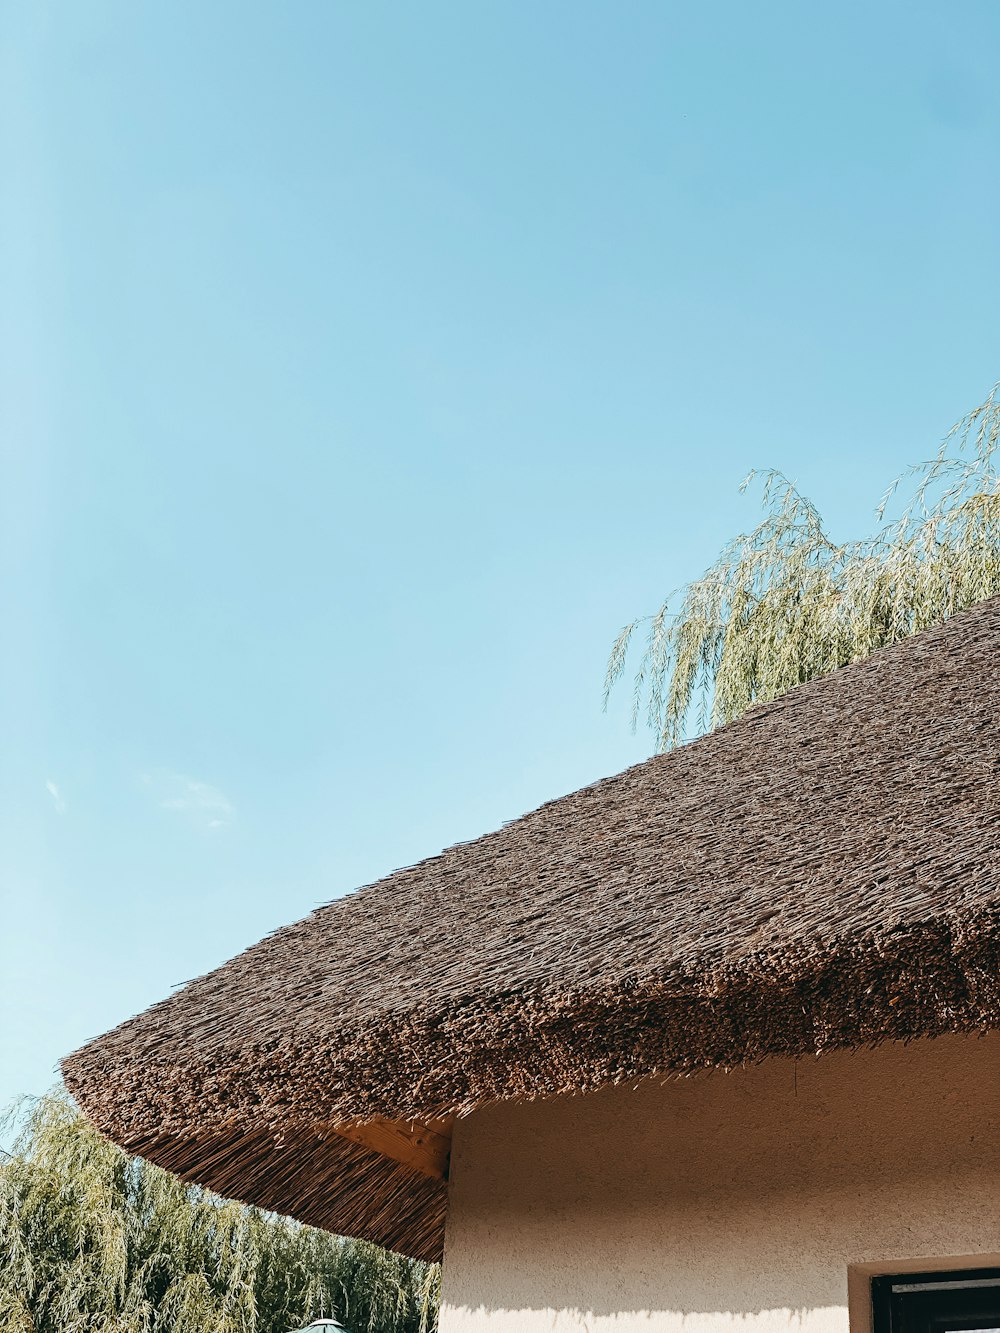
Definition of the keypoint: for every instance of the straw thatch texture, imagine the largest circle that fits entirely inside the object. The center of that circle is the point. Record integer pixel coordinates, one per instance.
(824, 872)
(316, 1176)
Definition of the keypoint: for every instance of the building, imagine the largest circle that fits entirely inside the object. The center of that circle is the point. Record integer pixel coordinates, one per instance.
(578, 1056)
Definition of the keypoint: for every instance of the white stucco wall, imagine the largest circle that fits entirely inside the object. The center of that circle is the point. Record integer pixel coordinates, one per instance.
(728, 1201)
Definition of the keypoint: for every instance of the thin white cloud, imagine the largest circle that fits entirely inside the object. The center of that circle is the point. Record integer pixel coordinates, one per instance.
(57, 796)
(199, 802)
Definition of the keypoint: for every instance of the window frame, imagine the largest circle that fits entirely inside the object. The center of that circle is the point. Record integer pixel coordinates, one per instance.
(891, 1315)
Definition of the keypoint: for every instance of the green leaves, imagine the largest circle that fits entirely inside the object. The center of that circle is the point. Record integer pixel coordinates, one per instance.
(785, 603)
(93, 1241)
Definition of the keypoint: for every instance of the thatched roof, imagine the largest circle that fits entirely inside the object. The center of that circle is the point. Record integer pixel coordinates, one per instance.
(824, 872)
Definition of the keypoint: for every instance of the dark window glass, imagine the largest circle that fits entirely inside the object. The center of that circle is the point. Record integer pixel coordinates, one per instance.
(966, 1302)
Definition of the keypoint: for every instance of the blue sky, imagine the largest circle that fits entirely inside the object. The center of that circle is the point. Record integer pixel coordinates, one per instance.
(364, 367)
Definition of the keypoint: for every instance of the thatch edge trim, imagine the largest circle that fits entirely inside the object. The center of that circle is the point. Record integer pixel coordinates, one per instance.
(939, 976)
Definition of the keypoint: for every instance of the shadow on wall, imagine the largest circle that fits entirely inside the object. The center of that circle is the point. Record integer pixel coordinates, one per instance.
(724, 1199)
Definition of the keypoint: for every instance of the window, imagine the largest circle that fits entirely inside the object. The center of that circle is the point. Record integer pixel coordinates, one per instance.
(937, 1302)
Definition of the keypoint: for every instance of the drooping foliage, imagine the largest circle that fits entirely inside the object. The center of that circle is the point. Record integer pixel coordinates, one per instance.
(91, 1240)
(785, 602)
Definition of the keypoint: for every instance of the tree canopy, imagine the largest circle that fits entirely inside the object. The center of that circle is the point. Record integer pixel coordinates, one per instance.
(785, 602)
(93, 1240)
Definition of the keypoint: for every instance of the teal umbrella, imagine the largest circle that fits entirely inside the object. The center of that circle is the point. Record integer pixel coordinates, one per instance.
(323, 1325)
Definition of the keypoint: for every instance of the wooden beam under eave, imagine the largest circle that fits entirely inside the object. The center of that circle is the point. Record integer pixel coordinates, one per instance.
(423, 1147)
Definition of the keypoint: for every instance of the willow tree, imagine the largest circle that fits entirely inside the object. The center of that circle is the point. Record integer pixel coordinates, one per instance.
(785, 602)
(93, 1240)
